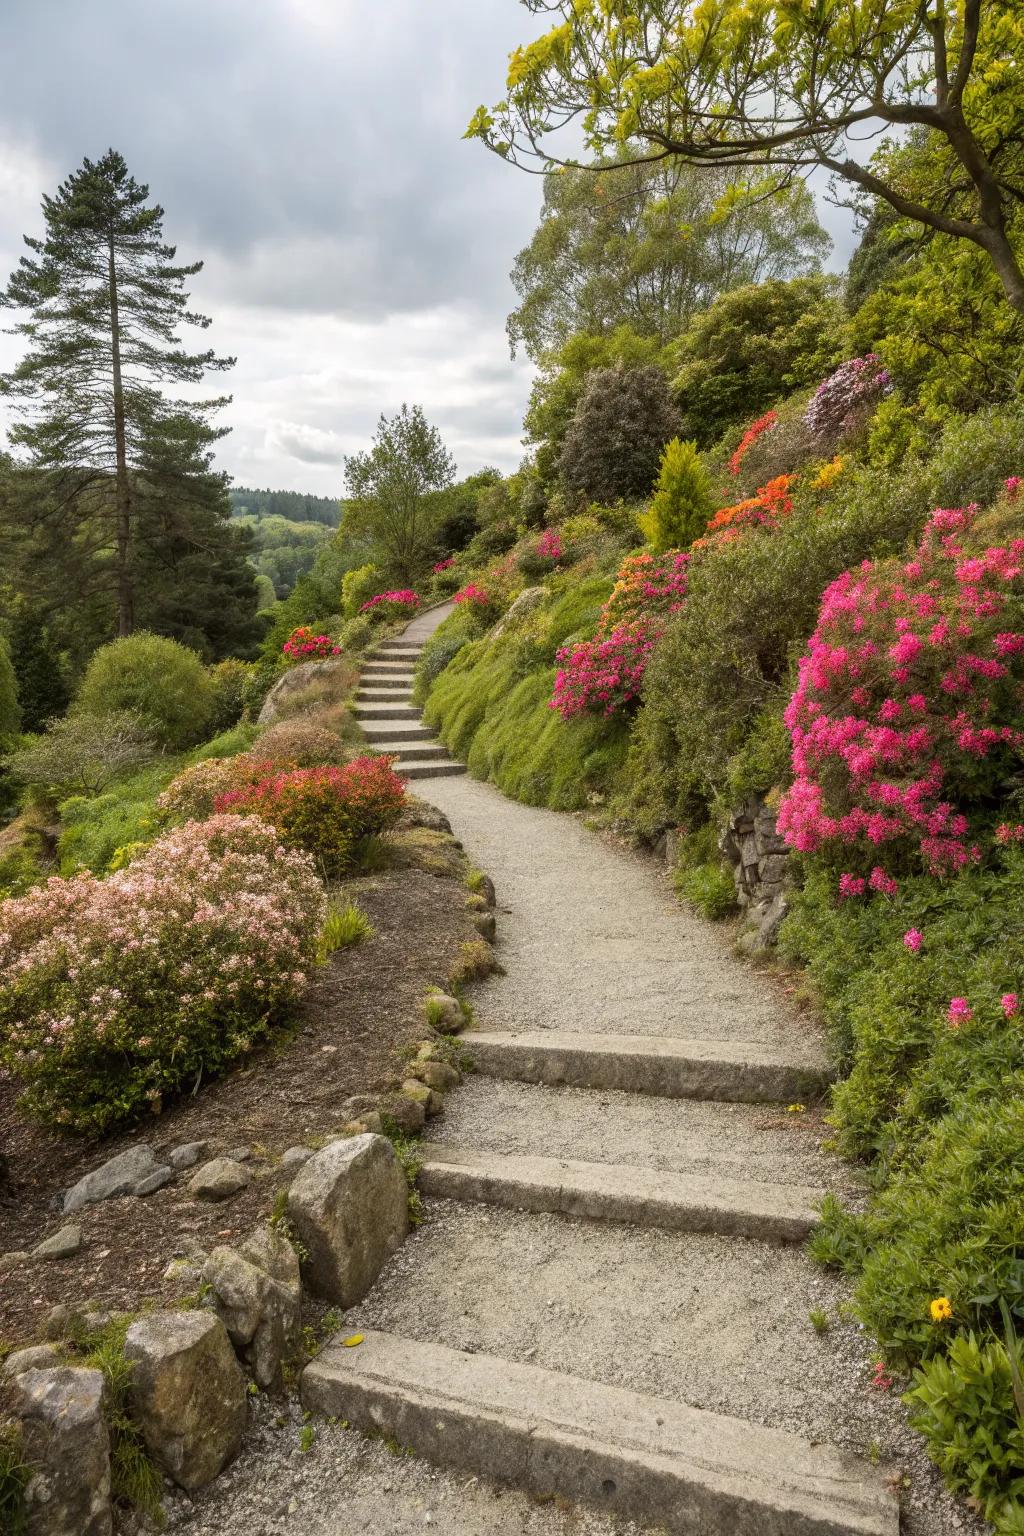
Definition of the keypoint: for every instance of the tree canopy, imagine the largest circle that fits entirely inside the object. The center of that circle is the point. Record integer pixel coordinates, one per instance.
(790, 85)
(390, 487)
(645, 244)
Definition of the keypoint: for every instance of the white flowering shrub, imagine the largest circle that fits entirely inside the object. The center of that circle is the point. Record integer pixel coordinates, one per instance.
(117, 992)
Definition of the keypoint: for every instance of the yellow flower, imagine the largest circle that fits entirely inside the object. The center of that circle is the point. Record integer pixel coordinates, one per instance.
(941, 1309)
(795, 1109)
(828, 474)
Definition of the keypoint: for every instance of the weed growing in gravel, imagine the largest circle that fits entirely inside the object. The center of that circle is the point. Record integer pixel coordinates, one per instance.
(307, 1437)
(818, 1320)
(408, 1153)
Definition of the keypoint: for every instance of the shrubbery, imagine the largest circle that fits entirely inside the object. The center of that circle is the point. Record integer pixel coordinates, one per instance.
(389, 607)
(682, 504)
(83, 754)
(116, 992)
(305, 645)
(326, 810)
(154, 677)
(300, 743)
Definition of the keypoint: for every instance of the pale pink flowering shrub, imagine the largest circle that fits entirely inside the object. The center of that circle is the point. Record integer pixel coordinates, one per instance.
(907, 711)
(846, 397)
(116, 992)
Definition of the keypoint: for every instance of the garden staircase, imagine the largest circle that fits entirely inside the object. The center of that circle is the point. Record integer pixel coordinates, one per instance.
(389, 719)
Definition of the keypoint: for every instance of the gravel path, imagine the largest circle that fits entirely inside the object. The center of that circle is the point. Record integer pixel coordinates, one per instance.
(593, 941)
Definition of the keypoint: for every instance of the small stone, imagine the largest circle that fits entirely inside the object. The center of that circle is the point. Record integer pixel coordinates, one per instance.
(419, 1093)
(219, 1179)
(156, 1180)
(187, 1393)
(405, 1115)
(445, 1013)
(120, 1175)
(62, 1245)
(187, 1155)
(34, 1357)
(68, 1448)
(486, 926)
(438, 1075)
(358, 1104)
(240, 1154)
(349, 1206)
(59, 1320)
(294, 1158)
(484, 886)
(258, 1297)
(9, 1261)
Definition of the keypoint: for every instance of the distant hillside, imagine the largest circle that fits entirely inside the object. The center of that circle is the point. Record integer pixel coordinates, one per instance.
(295, 506)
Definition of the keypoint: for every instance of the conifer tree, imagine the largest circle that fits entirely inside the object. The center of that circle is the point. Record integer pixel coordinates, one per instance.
(104, 301)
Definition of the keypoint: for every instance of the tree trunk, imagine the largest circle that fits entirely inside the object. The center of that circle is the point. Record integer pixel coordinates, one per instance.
(1008, 268)
(122, 485)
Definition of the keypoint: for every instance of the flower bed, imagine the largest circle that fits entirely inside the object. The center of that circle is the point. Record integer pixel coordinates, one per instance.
(115, 992)
(387, 607)
(303, 645)
(906, 719)
(324, 810)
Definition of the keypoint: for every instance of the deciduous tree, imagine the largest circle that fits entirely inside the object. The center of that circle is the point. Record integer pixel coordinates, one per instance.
(390, 487)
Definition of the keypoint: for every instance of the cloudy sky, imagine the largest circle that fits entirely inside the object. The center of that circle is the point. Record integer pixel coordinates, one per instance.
(357, 250)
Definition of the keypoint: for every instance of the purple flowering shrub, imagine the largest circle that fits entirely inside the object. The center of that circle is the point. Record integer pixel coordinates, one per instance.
(117, 992)
(843, 401)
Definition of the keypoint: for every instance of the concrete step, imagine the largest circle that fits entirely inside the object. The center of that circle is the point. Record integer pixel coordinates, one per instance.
(428, 752)
(744, 1071)
(378, 711)
(401, 684)
(390, 650)
(438, 770)
(647, 1459)
(643, 1197)
(373, 693)
(391, 737)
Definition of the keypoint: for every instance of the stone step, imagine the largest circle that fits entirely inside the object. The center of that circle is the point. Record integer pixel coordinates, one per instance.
(379, 711)
(390, 649)
(382, 677)
(393, 737)
(438, 770)
(643, 1197)
(372, 693)
(744, 1071)
(387, 684)
(429, 752)
(647, 1459)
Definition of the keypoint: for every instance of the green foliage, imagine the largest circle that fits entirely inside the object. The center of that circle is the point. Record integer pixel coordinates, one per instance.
(283, 550)
(94, 828)
(683, 504)
(156, 677)
(231, 682)
(357, 586)
(752, 346)
(390, 486)
(343, 926)
(819, 1320)
(134, 1478)
(618, 432)
(963, 1403)
(15, 1476)
(10, 714)
(39, 670)
(84, 754)
(292, 506)
(443, 646)
(702, 878)
(355, 634)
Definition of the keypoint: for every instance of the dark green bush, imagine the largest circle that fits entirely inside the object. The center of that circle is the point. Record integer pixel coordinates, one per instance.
(701, 876)
(156, 677)
(619, 429)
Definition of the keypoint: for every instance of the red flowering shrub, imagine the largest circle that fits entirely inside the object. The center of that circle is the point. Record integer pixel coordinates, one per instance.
(906, 719)
(766, 509)
(324, 810)
(475, 598)
(754, 431)
(540, 558)
(303, 645)
(604, 674)
(192, 795)
(388, 606)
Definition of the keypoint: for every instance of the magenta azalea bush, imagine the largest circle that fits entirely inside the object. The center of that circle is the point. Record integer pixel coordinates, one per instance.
(906, 722)
(117, 992)
(604, 675)
(389, 606)
(303, 645)
(846, 397)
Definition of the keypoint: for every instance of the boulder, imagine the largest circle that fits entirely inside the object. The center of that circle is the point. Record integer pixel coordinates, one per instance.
(67, 1445)
(529, 599)
(294, 1158)
(484, 887)
(61, 1245)
(257, 1294)
(293, 682)
(12, 1260)
(187, 1393)
(438, 1075)
(445, 1013)
(219, 1179)
(187, 1155)
(406, 1116)
(420, 1093)
(486, 926)
(239, 1154)
(121, 1175)
(349, 1207)
(419, 814)
(34, 1357)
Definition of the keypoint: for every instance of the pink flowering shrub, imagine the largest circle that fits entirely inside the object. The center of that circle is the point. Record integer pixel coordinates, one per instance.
(192, 795)
(303, 645)
(444, 565)
(905, 723)
(846, 397)
(386, 607)
(604, 675)
(476, 599)
(540, 558)
(117, 992)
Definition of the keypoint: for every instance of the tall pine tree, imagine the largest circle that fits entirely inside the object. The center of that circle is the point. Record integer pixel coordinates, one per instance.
(125, 472)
